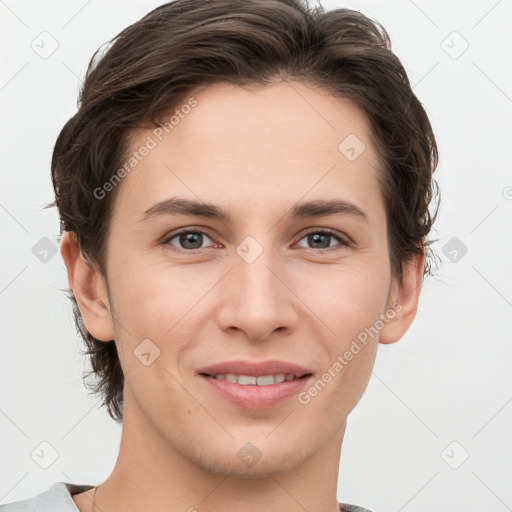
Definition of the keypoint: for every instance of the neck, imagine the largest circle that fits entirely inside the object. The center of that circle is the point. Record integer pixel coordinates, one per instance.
(154, 474)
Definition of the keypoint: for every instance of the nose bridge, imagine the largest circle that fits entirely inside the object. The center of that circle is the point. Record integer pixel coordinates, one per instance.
(258, 302)
(257, 281)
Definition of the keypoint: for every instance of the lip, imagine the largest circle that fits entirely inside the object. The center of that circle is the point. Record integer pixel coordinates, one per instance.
(258, 369)
(253, 396)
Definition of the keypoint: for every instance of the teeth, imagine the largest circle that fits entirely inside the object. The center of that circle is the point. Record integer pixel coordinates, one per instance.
(247, 380)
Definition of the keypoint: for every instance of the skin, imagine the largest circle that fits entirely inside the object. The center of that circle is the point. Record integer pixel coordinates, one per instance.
(256, 152)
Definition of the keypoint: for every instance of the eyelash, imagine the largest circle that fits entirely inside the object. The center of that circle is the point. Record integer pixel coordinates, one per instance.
(343, 241)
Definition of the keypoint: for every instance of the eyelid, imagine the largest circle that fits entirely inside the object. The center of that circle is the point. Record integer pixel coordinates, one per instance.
(167, 238)
(344, 240)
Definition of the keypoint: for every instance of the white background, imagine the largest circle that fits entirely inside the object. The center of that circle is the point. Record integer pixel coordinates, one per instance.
(449, 379)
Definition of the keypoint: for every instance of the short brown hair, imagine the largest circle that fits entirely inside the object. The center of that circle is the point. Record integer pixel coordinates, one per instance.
(153, 64)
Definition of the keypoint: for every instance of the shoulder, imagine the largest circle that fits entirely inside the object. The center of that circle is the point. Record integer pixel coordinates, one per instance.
(56, 497)
(345, 507)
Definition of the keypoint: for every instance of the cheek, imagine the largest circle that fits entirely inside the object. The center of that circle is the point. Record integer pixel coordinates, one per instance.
(152, 304)
(348, 298)
(350, 353)
(349, 301)
(152, 299)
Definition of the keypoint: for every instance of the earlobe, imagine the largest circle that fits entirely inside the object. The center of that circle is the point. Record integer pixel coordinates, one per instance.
(89, 288)
(406, 296)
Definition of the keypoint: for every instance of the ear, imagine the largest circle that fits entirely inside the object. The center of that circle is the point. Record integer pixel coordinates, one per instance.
(89, 288)
(405, 294)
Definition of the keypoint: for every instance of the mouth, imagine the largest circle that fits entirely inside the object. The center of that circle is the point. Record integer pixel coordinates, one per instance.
(245, 371)
(250, 385)
(256, 380)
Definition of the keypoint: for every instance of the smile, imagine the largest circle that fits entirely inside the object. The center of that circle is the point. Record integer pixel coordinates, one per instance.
(252, 380)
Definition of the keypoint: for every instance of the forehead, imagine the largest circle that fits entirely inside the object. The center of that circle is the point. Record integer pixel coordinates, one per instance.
(248, 145)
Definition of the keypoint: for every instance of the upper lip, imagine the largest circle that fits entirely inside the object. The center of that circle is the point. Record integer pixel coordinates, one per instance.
(258, 369)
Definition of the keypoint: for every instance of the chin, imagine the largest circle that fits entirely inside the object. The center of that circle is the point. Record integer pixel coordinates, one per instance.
(263, 468)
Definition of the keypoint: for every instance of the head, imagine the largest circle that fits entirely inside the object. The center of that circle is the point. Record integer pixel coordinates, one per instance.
(255, 108)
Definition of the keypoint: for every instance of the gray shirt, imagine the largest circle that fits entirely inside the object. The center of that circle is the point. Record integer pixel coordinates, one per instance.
(57, 498)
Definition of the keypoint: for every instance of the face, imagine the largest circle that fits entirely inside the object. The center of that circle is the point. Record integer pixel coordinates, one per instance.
(272, 279)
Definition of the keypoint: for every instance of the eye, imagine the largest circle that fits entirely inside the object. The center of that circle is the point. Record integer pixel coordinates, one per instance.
(192, 240)
(189, 240)
(321, 239)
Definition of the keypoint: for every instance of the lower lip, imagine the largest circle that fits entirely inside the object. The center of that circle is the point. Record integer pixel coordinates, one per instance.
(253, 396)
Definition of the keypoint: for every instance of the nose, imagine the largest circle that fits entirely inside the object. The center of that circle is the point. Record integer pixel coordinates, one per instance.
(258, 299)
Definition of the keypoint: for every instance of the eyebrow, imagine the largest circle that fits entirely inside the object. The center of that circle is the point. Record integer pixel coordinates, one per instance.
(318, 208)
